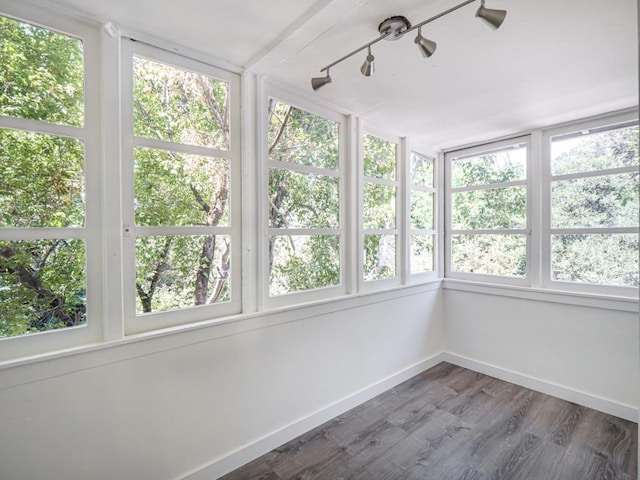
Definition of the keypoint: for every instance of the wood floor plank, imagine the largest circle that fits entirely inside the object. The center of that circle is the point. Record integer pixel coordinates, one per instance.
(450, 423)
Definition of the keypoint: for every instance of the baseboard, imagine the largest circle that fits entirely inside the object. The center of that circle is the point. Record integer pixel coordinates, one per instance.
(581, 398)
(253, 450)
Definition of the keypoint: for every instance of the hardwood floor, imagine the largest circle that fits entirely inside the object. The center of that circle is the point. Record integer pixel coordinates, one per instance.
(450, 423)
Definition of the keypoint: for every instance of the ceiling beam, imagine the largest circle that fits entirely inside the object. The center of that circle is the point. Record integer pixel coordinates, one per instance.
(313, 24)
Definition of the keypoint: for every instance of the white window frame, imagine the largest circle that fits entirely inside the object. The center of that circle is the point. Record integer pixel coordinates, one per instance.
(449, 232)
(156, 320)
(91, 233)
(606, 122)
(410, 187)
(268, 301)
(401, 199)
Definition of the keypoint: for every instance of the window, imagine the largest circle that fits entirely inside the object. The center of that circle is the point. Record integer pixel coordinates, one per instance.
(487, 232)
(47, 168)
(593, 204)
(182, 225)
(422, 228)
(380, 189)
(304, 209)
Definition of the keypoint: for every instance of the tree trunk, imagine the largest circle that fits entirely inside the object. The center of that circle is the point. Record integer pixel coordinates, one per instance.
(204, 270)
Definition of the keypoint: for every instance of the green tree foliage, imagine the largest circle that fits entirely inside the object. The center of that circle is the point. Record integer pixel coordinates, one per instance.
(609, 200)
(42, 282)
(379, 207)
(42, 74)
(42, 180)
(380, 157)
(421, 214)
(421, 249)
(596, 258)
(175, 189)
(596, 151)
(301, 137)
(301, 200)
(42, 285)
(489, 254)
(379, 257)
(490, 208)
(421, 170)
(304, 262)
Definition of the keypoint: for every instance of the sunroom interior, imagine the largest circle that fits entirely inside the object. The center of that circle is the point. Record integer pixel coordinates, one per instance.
(373, 274)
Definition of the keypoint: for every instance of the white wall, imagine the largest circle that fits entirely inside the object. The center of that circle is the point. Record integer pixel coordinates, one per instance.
(162, 407)
(586, 354)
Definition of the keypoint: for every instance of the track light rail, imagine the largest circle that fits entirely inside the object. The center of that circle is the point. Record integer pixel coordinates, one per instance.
(493, 17)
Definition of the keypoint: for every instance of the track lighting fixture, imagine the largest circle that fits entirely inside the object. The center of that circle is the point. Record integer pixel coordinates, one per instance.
(395, 27)
(367, 67)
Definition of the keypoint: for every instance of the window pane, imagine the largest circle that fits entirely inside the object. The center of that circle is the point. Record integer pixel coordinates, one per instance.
(421, 210)
(600, 259)
(489, 209)
(597, 151)
(489, 254)
(42, 286)
(379, 206)
(379, 157)
(379, 257)
(421, 170)
(42, 74)
(179, 190)
(181, 271)
(507, 165)
(605, 201)
(180, 106)
(302, 200)
(421, 253)
(300, 137)
(41, 180)
(303, 262)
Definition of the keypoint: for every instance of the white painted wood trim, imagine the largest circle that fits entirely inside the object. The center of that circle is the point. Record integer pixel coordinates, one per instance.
(605, 405)
(583, 299)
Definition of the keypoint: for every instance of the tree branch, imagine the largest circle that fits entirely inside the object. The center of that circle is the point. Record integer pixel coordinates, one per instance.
(30, 280)
(283, 125)
(204, 205)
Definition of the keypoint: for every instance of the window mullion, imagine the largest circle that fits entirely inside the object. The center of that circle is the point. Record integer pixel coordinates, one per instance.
(593, 230)
(535, 209)
(180, 147)
(45, 128)
(489, 186)
(595, 173)
(112, 174)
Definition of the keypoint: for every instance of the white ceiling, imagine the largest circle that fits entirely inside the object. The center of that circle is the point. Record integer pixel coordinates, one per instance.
(551, 61)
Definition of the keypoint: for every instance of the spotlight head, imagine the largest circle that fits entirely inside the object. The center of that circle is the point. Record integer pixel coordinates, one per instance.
(318, 82)
(427, 47)
(367, 67)
(493, 17)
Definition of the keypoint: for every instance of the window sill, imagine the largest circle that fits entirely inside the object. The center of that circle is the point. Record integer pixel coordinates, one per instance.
(608, 302)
